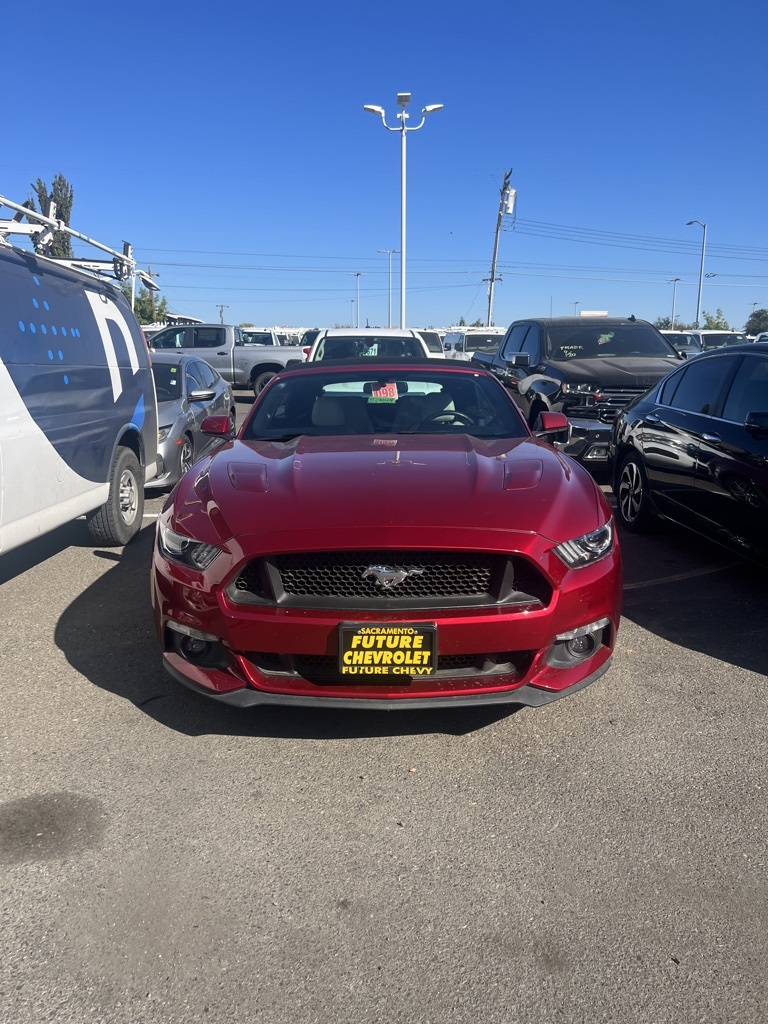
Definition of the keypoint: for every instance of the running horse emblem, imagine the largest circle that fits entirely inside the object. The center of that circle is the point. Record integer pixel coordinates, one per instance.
(388, 577)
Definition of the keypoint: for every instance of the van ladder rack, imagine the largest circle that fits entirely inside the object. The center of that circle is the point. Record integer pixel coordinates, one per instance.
(41, 228)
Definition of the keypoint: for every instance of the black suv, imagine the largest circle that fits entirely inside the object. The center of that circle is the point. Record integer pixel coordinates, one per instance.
(585, 367)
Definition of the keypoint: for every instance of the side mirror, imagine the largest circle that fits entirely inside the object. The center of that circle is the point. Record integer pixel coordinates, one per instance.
(518, 359)
(551, 423)
(756, 425)
(218, 426)
(201, 396)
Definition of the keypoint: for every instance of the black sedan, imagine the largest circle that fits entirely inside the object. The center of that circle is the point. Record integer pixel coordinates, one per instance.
(188, 390)
(694, 449)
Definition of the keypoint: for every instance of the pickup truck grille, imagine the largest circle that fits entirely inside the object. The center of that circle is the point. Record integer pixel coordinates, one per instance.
(345, 579)
(612, 401)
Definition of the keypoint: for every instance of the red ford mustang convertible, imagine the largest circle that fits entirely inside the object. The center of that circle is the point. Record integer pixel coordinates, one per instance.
(386, 535)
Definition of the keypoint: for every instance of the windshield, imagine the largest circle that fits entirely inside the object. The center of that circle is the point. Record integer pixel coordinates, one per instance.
(482, 342)
(716, 339)
(167, 381)
(577, 341)
(409, 401)
(370, 347)
(683, 342)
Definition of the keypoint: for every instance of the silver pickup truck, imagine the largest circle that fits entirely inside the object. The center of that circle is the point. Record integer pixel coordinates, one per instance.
(228, 351)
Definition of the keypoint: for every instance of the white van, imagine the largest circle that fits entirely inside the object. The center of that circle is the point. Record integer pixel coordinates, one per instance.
(78, 414)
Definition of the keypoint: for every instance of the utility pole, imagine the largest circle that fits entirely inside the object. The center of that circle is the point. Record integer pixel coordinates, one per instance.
(221, 309)
(507, 200)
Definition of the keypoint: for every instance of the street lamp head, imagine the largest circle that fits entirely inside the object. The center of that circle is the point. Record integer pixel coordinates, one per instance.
(373, 109)
(432, 108)
(699, 222)
(403, 99)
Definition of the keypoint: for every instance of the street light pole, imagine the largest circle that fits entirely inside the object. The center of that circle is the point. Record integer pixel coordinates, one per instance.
(389, 289)
(403, 99)
(357, 274)
(701, 271)
(576, 303)
(673, 282)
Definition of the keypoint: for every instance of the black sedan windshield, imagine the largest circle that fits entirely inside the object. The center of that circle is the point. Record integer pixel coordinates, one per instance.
(366, 401)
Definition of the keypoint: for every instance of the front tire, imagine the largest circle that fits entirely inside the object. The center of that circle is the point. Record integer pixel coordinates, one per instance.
(120, 517)
(260, 382)
(186, 455)
(633, 501)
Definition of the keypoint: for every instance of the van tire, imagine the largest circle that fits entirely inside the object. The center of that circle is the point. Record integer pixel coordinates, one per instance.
(120, 517)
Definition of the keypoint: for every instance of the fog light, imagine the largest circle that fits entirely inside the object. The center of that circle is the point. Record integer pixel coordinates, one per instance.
(581, 646)
(576, 645)
(196, 647)
(193, 649)
(597, 453)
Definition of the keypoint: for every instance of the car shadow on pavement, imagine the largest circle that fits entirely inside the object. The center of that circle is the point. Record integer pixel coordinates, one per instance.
(16, 562)
(692, 593)
(107, 634)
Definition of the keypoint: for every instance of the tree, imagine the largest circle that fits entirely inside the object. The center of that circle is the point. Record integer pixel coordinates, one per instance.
(246, 325)
(716, 322)
(664, 323)
(63, 194)
(758, 322)
(143, 306)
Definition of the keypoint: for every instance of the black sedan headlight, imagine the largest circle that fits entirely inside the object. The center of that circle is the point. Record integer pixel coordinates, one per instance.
(588, 548)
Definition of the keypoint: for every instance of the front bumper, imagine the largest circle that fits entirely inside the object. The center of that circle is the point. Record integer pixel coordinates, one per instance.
(261, 652)
(527, 695)
(588, 441)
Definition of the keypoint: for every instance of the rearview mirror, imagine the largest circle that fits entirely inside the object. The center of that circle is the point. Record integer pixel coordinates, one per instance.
(201, 396)
(518, 359)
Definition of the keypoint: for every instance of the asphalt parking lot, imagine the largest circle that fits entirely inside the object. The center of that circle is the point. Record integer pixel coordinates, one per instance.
(168, 859)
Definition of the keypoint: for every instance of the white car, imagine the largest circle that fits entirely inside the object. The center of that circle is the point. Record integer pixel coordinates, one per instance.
(369, 342)
(463, 343)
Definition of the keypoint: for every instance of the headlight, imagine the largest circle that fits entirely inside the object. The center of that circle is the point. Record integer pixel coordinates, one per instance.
(162, 433)
(587, 549)
(192, 553)
(581, 389)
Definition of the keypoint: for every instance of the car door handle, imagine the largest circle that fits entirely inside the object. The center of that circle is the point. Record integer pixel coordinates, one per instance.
(221, 353)
(711, 438)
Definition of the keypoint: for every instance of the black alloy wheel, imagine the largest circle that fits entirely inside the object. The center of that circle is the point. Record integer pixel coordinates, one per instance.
(632, 497)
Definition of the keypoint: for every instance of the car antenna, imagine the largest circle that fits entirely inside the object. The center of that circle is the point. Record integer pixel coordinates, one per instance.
(632, 318)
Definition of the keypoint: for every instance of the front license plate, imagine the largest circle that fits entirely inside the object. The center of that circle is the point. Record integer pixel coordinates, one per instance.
(383, 651)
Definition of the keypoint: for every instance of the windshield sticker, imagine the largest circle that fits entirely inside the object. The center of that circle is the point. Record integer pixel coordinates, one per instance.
(386, 393)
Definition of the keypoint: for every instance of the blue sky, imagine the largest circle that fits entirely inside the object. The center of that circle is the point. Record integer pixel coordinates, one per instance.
(230, 146)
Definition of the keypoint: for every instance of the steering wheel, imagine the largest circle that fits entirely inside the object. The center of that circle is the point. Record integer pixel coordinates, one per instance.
(450, 416)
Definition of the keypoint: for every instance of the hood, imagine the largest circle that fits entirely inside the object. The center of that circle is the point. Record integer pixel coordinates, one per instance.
(168, 412)
(381, 487)
(613, 371)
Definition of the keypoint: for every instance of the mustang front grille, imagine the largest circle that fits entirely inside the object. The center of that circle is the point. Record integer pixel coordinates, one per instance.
(382, 579)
